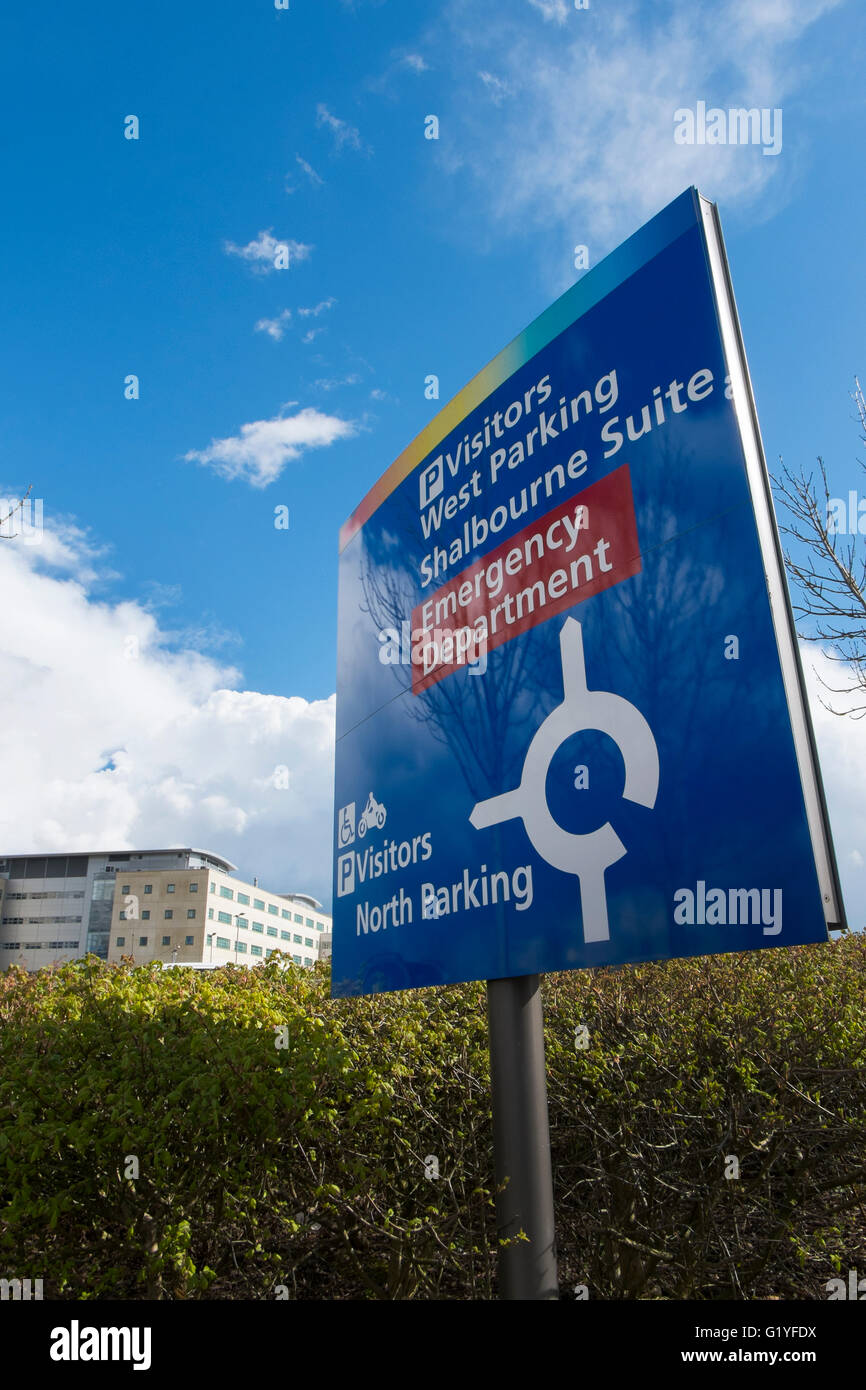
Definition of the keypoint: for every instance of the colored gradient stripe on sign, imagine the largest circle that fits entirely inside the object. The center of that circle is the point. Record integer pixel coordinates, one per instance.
(672, 222)
(584, 545)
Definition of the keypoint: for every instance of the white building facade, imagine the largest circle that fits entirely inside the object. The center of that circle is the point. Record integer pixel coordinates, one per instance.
(180, 906)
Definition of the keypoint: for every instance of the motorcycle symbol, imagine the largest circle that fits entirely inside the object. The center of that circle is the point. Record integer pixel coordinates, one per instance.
(373, 816)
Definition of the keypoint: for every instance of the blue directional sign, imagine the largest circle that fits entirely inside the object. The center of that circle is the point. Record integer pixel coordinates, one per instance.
(571, 721)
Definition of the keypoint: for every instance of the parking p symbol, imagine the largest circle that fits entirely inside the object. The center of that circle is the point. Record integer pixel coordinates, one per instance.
(430, 484)
(346, 874)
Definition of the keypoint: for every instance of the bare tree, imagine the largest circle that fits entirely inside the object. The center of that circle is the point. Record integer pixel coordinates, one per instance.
(9, 515)
(830, 578)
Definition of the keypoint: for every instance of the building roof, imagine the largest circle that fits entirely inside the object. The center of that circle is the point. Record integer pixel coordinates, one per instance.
(302, 898)
(216, 859)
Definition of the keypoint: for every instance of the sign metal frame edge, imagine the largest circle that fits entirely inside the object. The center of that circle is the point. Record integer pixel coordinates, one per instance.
(745, 410)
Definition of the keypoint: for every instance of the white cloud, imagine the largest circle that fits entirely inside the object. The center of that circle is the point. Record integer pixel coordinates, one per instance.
(400, 63)
(784, 17)
(584, 149)
(189, 759)
(260, 452)
(497, 89)
(56, 541)
(332, 383)
(557, 10)
(275, 328)
(317, 309)
(309, 171)
(343, 133)
(265, 250)
(842, 753)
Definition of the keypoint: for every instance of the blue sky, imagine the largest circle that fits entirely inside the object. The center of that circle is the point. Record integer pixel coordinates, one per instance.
(408, 256)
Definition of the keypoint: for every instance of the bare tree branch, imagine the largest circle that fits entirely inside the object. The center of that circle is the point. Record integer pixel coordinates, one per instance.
(9, 515)
(829, 581)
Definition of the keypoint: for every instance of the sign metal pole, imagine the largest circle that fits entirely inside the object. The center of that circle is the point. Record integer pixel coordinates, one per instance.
(521, 1139)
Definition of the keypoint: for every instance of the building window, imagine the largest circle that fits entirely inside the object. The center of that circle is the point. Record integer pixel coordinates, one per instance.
(166, 941)
(125, 889)
(310, 922)
(274, 911)
(42, 921)
(257, 926)
(307, 960)
(296, 959)
(241, 948)
(122, 916)
(189, 941)
(308, 941)
(258, 904)
(225, 918)
(148, 888)
(142, 941)
(190, 912)
(226, 892)
(169, 888)
(287, 916)
(244, 898)
(256, 950)
(210, 914)
(299, 919)
(193, 887)
(168, 914)
(243, 923)
(213, 888)
(120, 941)
(145, 916)
(44, 897)
(296, 939)
(223, 942)
(284, 936)
(209, 938)
(272, 931)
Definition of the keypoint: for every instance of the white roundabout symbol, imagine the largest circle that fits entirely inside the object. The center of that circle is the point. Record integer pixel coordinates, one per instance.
(587, 856)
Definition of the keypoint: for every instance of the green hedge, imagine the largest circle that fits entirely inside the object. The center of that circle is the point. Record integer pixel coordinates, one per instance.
(300, 1171)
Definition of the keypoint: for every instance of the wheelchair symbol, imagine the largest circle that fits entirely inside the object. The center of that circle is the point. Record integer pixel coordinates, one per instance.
(587, 856)
(346, 833)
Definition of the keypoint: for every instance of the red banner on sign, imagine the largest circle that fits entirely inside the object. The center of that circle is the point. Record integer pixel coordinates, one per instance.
(572, 552)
